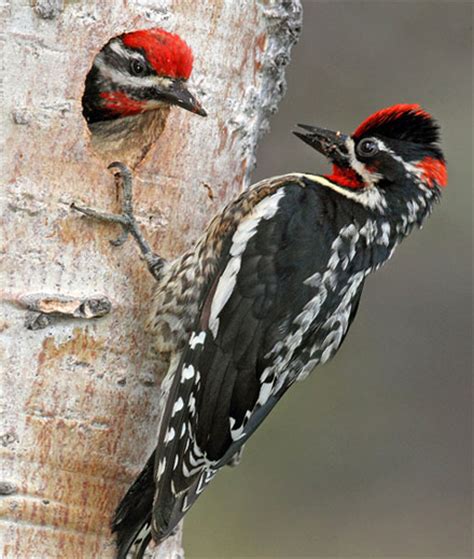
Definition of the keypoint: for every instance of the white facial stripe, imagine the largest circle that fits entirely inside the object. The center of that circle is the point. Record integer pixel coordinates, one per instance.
(247, 228)
(117, 47)
(124, 79)
(368, 177)
(411, 168)
(368, 196)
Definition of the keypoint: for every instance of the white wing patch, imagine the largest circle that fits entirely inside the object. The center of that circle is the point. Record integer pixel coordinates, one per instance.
(385, 237)
(265, 209)
(265, 392)
(187, 373)
(238, 432)
(169, 435)
(197, 339)
(178, 406)
(161, 467)
(224, 290)
(307, 369)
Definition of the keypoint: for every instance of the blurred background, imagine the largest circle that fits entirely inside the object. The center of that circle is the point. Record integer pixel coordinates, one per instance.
(371, 456)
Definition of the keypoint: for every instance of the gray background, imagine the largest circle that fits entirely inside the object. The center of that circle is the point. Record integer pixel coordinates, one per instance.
(371, 456)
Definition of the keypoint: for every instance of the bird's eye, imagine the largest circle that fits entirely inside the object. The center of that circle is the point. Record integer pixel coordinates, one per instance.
(137, 68)
(367, 147)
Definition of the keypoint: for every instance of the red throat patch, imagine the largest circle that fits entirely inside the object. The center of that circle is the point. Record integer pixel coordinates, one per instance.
(169, 55)
(390, 113)
(433, 172)
(119, 102)
(345, 177)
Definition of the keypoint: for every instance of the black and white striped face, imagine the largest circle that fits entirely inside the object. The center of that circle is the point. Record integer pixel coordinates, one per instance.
(124, 82)
(389, 162)
(126, 69)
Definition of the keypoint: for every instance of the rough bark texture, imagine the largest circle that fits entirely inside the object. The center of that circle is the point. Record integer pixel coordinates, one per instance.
(81, 401)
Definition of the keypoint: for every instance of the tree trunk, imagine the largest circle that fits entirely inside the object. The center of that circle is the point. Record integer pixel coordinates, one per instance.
(81, 401)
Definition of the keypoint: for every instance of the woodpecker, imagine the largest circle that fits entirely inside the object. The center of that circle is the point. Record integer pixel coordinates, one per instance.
(129, 90)
(267, 294)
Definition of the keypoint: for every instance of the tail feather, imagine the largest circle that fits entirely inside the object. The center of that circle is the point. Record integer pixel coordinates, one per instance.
(132, 520)
(170, 506)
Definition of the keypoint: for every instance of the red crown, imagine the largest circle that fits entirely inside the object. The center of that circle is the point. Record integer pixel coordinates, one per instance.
(168, 54)
(388, 115)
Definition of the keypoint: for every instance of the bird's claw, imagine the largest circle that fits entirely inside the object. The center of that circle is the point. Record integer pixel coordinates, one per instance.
(126, 219)
(120, 240)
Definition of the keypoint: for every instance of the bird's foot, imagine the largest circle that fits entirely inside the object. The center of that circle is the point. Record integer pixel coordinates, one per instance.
(127, 220)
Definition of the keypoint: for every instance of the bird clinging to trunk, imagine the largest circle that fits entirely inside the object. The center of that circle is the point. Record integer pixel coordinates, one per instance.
(267, 294)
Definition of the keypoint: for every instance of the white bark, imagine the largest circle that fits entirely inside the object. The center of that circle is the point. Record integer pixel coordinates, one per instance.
(81, 403)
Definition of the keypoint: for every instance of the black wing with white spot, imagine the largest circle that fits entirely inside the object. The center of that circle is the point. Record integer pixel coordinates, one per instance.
(266, 317)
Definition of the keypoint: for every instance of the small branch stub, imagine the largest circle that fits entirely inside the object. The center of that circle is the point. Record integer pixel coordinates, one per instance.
(45, 308)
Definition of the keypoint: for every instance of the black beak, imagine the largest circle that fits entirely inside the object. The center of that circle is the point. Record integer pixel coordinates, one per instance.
(178, 94)
(329, 143)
